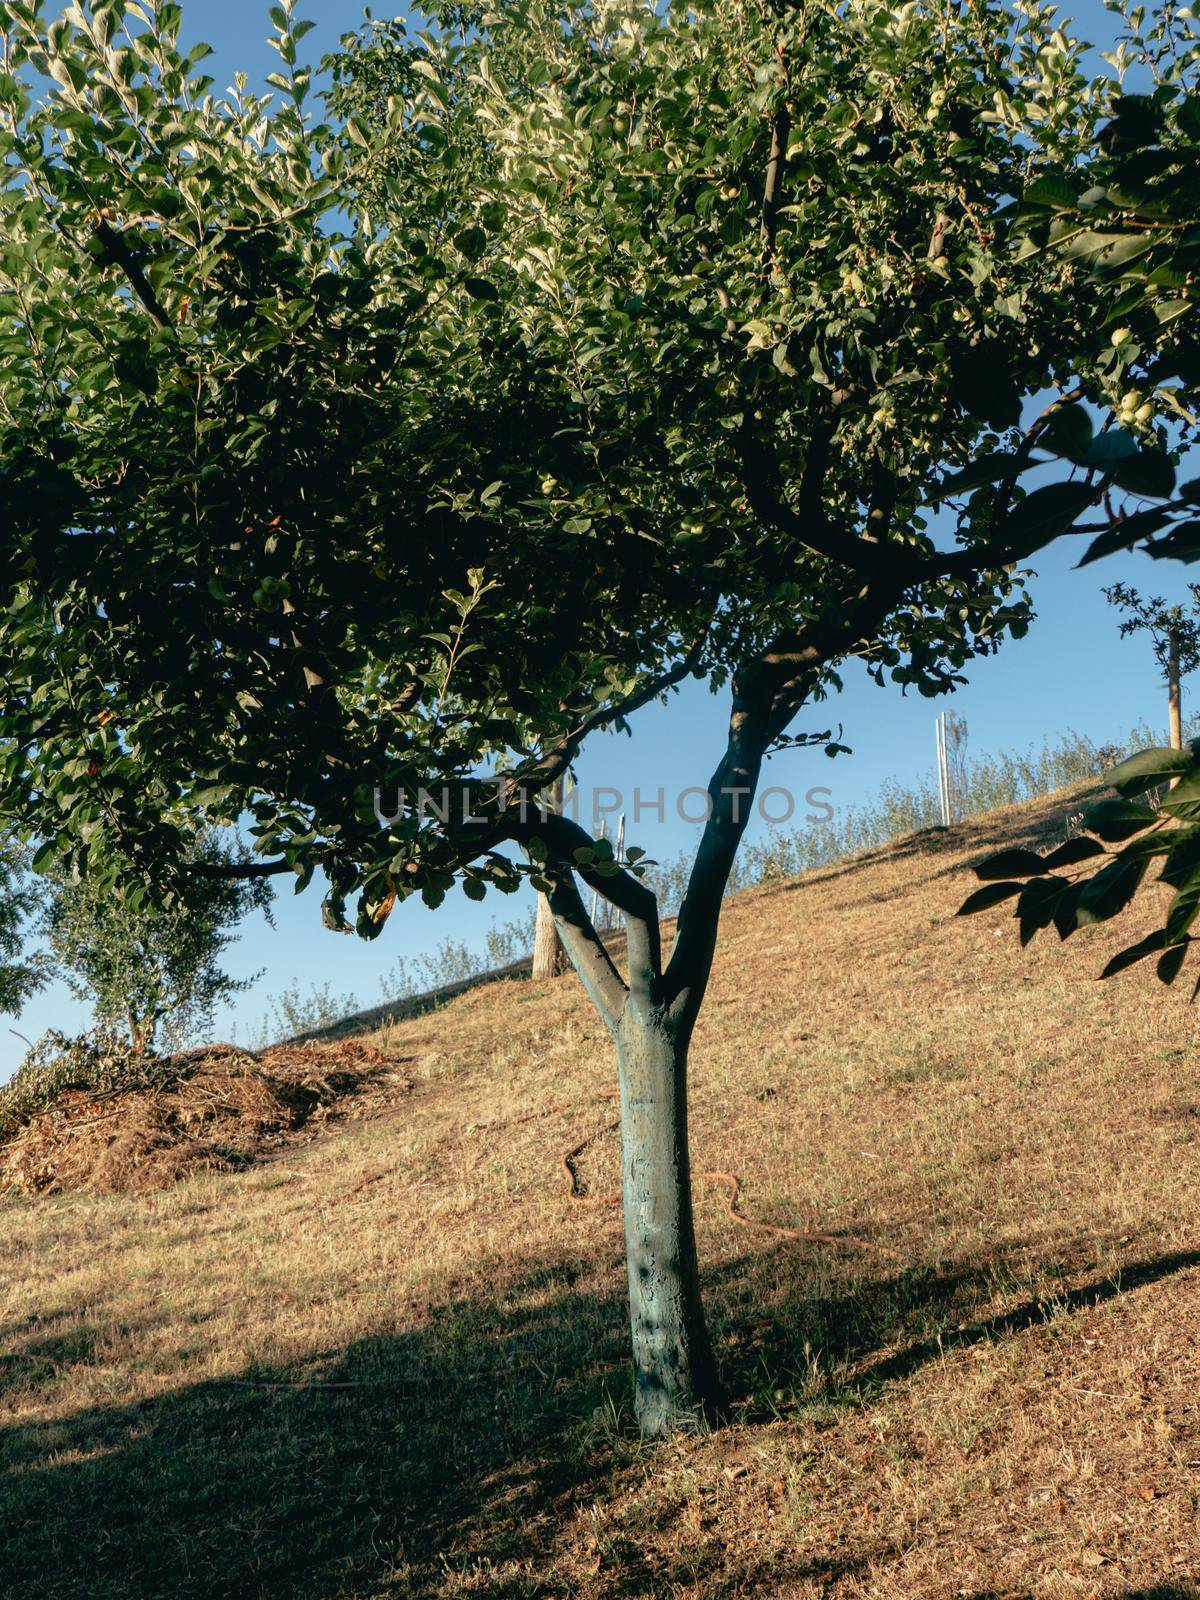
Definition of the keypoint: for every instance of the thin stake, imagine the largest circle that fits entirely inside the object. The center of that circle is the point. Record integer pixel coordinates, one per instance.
(596, 892)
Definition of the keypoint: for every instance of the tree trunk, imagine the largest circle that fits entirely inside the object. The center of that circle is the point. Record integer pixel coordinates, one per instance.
(549, 957)
(1173, 694)
(674, 1372)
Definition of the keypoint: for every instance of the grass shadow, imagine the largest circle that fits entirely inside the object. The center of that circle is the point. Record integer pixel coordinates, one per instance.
(828, 1350)
(449, 1458)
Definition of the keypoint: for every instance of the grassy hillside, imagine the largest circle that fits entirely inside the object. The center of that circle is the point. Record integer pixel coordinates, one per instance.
(391, 1361)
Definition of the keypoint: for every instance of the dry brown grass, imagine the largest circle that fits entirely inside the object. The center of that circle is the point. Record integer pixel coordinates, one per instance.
(392, 1362)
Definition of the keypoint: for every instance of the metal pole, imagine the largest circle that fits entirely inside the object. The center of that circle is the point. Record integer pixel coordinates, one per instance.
(938, 757)
(943, 770)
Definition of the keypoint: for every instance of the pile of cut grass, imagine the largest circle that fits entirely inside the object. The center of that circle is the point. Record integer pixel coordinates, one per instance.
(101, 1119)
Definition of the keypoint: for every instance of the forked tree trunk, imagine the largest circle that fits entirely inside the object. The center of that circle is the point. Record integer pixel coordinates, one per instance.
(674, 1371)
(651, 1017)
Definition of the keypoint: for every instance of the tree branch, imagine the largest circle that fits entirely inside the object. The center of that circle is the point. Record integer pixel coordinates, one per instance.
(781, 125)
(553, 762)
(684, 668)
(604, 984)
(118, 252)
(762, 479)
(239, 869)
(634, 899)
(731, 792)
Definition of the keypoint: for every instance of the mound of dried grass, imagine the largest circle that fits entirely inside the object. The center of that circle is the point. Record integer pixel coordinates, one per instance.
(208, 1110)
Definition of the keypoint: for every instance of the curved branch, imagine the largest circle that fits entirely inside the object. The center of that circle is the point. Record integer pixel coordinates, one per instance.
(604, 984)
(634, 899)
(115, 250)
(552, 763)
(762, 479)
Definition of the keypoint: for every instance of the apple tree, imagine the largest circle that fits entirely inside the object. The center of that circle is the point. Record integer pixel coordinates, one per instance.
(411, 438)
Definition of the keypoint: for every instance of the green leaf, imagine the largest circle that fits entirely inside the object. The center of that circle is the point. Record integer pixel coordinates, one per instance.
(1183, 856)
(1188, 116)
(1010, 863)
(1107, 252)
(1182, 911)
(1114, 820)
(1037, 904)
(1048, 512)
(44, 855)
(988, 469)
(1181, 544)
(1111, 890)
(992, 895)
(1069, 432)
(1072, 853)
(1148, 946)
(1150, 472)
(1146, 770)
(1111, 446)
(1183, 801)
(472, 242)
(1125, 533)
(1053, 192)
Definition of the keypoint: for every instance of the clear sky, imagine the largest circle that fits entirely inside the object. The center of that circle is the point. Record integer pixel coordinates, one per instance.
(1070, 672)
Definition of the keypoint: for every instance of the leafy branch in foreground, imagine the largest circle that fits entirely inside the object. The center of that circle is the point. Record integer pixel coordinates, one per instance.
(1094, 877)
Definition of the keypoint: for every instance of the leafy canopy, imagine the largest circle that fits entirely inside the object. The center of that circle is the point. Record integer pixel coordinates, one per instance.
(1127, 213)
(558, 356)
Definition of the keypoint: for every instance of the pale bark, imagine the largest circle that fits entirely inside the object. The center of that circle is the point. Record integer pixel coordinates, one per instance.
(549, 957)
(1174, 696)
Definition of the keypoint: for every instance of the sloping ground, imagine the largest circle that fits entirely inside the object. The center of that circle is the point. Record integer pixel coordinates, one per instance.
(392, 1362)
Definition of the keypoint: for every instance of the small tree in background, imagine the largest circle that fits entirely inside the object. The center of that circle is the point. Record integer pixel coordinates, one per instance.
(1175, 634)
(150, 969)
(20, 976)
(957, 760)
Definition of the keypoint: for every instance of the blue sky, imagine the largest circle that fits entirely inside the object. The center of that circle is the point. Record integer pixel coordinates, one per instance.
(1071, 671)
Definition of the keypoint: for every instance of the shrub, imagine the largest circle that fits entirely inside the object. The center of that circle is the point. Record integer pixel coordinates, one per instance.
(102, 1062)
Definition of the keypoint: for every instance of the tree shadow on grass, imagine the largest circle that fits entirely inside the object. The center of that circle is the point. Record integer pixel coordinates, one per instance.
(451, 1458)
(1159, 1591)
(985, 834)
(844, 1348)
